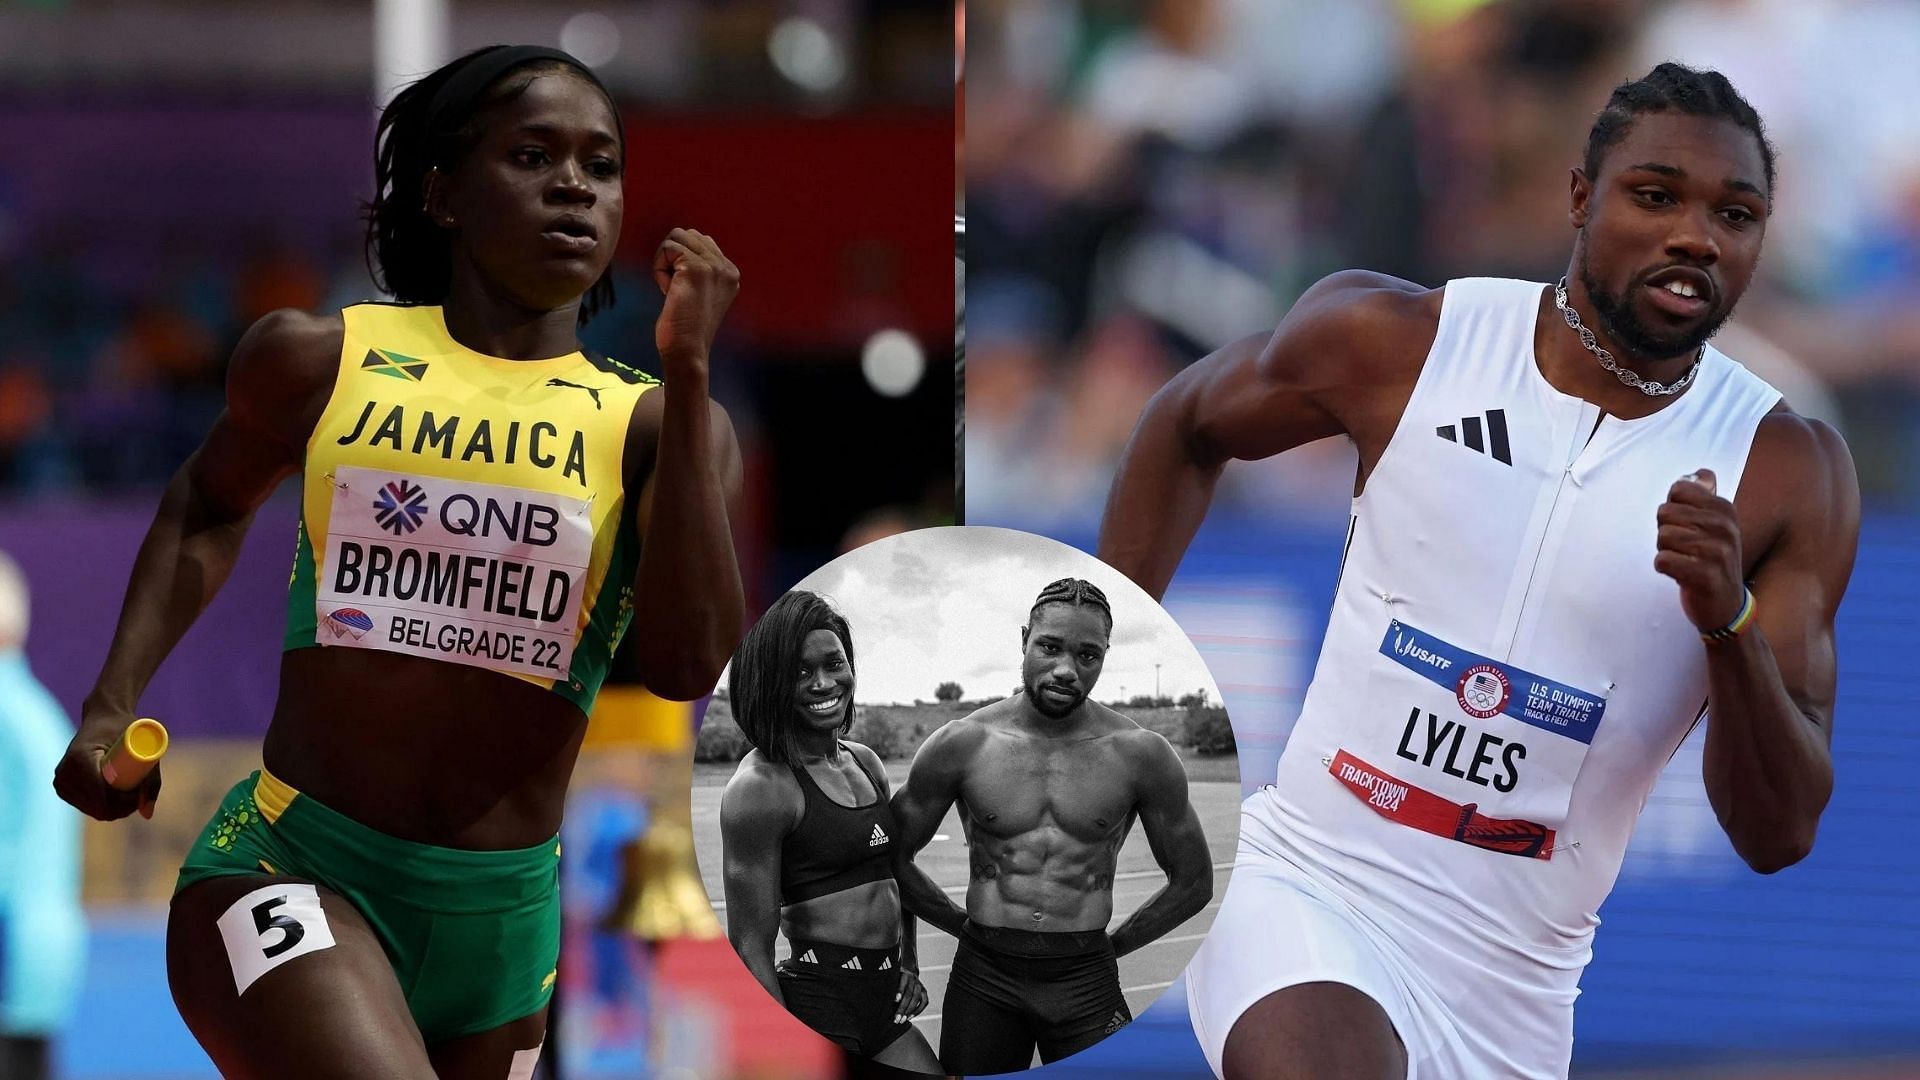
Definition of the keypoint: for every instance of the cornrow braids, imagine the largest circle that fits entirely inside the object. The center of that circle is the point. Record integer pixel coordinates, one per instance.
(1077, 592)
(408, 254)
(761, 679)
(1673, 88)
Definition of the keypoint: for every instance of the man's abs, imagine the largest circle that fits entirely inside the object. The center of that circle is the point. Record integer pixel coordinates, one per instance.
(1045, 880)
(1045, 819)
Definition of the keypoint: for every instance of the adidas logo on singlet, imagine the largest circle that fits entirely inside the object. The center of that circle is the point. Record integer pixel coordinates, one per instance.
(1469, 434)
(852, 965)
(807, 958)
(1119, 1021)
(879, 837)
(886, 964)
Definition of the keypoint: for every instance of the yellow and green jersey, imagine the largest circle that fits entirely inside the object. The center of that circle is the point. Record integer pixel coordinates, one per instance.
(467, 508)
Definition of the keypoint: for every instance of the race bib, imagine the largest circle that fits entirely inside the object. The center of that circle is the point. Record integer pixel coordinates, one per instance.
(1463, 746)
(473, 573)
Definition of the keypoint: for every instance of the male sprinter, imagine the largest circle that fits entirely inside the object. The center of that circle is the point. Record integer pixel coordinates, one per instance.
(1049, 783)
(1575, 525)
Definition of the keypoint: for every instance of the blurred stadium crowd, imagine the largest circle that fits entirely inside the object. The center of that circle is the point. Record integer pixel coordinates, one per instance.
(1148, 180)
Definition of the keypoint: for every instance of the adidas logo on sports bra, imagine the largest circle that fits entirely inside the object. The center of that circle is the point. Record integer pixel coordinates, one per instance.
(852, 965)
(808, 958)
(879, 837)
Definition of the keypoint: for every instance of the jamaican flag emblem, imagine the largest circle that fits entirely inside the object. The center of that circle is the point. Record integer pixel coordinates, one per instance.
(384, 362)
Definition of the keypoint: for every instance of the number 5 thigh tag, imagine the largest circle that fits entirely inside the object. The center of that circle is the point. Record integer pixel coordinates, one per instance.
(270, 926)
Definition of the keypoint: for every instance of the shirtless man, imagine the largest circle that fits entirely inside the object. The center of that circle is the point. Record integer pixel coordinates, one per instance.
(1048, 783)
(1577, 530)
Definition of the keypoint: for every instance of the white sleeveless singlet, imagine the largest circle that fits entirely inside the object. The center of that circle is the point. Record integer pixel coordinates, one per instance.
(1504, 673)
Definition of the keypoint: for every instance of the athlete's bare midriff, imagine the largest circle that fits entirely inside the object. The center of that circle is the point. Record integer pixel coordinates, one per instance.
(414, 747)
(865, 916)
(1045, 819)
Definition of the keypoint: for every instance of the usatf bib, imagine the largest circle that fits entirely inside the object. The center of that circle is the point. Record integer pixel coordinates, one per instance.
(473, 573)
(1462, 746)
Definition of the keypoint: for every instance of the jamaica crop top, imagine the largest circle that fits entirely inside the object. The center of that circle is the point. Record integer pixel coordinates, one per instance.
(468, 508)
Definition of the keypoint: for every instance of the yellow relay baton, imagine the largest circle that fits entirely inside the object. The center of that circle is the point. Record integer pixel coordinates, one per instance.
(134, 754)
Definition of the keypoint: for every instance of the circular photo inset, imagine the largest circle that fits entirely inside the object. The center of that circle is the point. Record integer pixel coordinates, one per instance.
(965, 800)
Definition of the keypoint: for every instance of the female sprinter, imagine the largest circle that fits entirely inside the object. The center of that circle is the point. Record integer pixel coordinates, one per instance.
(485, 506)
(807, 841)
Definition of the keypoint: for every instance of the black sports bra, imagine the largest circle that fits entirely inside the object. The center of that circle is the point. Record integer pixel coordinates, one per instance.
(835, 847)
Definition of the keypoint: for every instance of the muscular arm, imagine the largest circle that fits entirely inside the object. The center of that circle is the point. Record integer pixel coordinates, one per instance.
(754, 819)
(909, 939)
(1329, 369)
(276, 386)
(1768, 768)
(1178, 845)
(687, 565)
(933, 783)
(911, 997)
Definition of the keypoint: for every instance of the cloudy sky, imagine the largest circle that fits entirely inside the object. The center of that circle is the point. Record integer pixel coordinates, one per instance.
(939, 604)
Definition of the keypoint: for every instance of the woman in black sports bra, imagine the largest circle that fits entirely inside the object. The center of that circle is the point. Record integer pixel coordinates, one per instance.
(807, 842)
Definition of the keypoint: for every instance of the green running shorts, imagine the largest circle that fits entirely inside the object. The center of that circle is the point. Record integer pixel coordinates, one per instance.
(473, 936)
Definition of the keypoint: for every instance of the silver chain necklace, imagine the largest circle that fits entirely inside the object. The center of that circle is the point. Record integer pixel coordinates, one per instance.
(1625, 375)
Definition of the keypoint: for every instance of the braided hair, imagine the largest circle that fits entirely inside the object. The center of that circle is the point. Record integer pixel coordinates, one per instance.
(409, 254)
(1673, 88)
(1076, 592)
(761, 680)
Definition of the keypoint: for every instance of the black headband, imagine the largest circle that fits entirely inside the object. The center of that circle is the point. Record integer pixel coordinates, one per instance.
(470, 81)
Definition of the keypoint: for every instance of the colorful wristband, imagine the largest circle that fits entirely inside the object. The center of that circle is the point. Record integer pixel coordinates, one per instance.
(1739, 624)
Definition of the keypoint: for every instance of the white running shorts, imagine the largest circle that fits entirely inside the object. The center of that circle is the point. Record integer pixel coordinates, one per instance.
(1279, 927)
